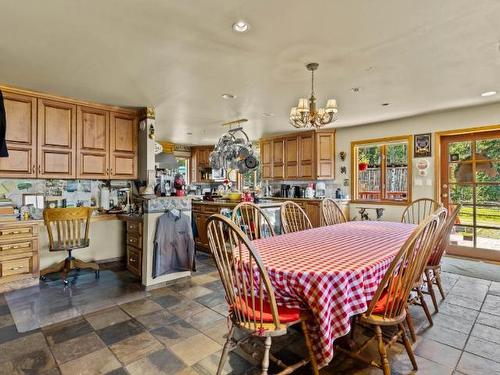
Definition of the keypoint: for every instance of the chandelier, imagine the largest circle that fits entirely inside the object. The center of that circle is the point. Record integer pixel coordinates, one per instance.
(306, 114)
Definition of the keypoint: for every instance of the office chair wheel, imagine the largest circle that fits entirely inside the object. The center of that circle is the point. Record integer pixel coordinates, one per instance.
(43, 278)
(97, 274)
(66, 282)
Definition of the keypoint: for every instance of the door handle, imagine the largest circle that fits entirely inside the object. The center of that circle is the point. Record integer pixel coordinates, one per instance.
(39, 169)
(34, 168)
(444, 195)
(445, 186)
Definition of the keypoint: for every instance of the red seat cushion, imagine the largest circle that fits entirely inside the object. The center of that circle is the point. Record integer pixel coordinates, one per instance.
(384, 300)
(286, 315)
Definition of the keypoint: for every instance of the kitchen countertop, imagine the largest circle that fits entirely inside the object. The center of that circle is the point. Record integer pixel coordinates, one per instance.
(231, 204)
(100, 217)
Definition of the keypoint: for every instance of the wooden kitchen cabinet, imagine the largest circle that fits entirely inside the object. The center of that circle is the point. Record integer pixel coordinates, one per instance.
(200, 165)
(56, 139)
(299, 156)
(92, 143)
(313, 212)
(291, 157)
(123, 146)
(21, 116)
(266, 159)
(278, 158)
(51, 137)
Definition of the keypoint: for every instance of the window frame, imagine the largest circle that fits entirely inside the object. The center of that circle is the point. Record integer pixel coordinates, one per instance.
(383, 163)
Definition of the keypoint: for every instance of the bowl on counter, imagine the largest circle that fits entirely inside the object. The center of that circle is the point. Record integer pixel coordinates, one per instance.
(234, 196)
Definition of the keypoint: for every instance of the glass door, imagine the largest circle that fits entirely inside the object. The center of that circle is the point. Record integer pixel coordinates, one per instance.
(470, 175)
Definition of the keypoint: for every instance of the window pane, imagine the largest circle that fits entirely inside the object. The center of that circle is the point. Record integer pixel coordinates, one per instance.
(488, 238)
(396, 177)
(487, 171)
(462, 194)
(462, 236)
(488, 149)
(458, 151)
(488, 215)
(369, 173)
(460, 172)
(182, 168)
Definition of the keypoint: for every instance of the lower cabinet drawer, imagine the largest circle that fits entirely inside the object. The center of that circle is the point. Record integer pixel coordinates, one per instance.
(16, 247)
(16, 266)
(134, 240)
(134, 261)
(134, 227)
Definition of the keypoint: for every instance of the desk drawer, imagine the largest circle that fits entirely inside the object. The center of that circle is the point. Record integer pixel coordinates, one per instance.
(17, 232)
(134, 240)
(134, 261)
(16, 266)
(134, 227)
(16, 247)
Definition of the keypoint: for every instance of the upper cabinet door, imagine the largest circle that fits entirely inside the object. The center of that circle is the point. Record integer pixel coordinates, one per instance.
(325, 154)
(92, 143)
(291, 157)
(306, 156)
(123, 145)
(56, 139)
(266, 159)
(20, 111)
(278, 158)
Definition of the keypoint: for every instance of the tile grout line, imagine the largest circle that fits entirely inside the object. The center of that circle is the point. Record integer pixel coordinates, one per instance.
(468, 336)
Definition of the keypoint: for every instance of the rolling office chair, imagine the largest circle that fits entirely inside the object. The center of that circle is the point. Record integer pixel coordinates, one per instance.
(71, 226)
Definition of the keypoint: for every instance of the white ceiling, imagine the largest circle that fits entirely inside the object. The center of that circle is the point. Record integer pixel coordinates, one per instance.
(181, 55)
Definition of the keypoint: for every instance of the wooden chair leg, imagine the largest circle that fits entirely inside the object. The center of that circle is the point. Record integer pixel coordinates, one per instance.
(430, 289)
(58, 267)
(411, 327)
(383, 353)
(437, 276)
(424, 306)
(225, 351)
(265, 359)
(314, 364)
(408, 347)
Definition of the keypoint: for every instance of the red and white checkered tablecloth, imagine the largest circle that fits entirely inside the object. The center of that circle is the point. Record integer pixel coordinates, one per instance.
(332, 271)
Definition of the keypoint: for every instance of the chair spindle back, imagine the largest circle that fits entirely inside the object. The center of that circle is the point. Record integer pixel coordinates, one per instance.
(443, 237)
(252, 221)
(332, 213)
(419, 210)
(293, 218)
(245, 280)
(67, 228)
(404, 270)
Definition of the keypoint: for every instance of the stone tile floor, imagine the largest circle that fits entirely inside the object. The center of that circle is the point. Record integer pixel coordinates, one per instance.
(180, 329)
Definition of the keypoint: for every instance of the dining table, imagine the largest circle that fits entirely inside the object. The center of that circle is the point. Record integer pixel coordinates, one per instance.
(331, 271)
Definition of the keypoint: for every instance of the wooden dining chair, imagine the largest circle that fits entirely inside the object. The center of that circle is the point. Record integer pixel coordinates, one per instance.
(332, 213)
(418, 288)
(433, 267)
(250, 295)
(68, 230)
(418, 210)
(389, 304)
(293, 218)
(252, 221)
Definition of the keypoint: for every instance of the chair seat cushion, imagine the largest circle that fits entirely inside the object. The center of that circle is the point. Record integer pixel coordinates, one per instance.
(245, 306)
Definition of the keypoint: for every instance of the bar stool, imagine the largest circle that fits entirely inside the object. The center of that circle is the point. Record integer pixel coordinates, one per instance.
(71, 226)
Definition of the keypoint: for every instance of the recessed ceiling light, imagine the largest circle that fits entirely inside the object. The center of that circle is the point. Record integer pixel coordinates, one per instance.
(240, 26)
(385, 104)
(356, 89)
(267, 114)
(228, 96)
(189, 133)
(489, 93)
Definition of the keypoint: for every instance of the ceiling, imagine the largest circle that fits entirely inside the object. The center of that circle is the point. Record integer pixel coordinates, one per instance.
(180, 56)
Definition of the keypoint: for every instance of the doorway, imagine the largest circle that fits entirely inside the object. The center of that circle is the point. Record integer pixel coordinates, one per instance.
(470, 176)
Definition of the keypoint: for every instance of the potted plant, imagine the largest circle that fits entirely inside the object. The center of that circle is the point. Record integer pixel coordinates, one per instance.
(362, 162)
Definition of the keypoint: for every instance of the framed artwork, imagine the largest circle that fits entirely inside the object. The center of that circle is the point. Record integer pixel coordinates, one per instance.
(422, 145)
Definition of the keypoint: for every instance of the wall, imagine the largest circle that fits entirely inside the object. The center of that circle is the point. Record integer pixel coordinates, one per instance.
(433, 122)
(106, 242)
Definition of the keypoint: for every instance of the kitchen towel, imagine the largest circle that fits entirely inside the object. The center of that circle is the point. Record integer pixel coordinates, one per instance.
(3, 129)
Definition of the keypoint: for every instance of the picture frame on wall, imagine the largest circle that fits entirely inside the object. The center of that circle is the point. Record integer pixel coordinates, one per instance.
(422, 145)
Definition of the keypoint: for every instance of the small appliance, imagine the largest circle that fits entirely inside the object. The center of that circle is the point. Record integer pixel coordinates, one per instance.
(285, 191)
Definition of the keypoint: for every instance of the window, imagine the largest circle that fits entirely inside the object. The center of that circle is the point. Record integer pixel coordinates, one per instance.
(183, 168)
(380, 170)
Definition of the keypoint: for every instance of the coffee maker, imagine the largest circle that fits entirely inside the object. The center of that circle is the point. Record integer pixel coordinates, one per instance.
(285, 191)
